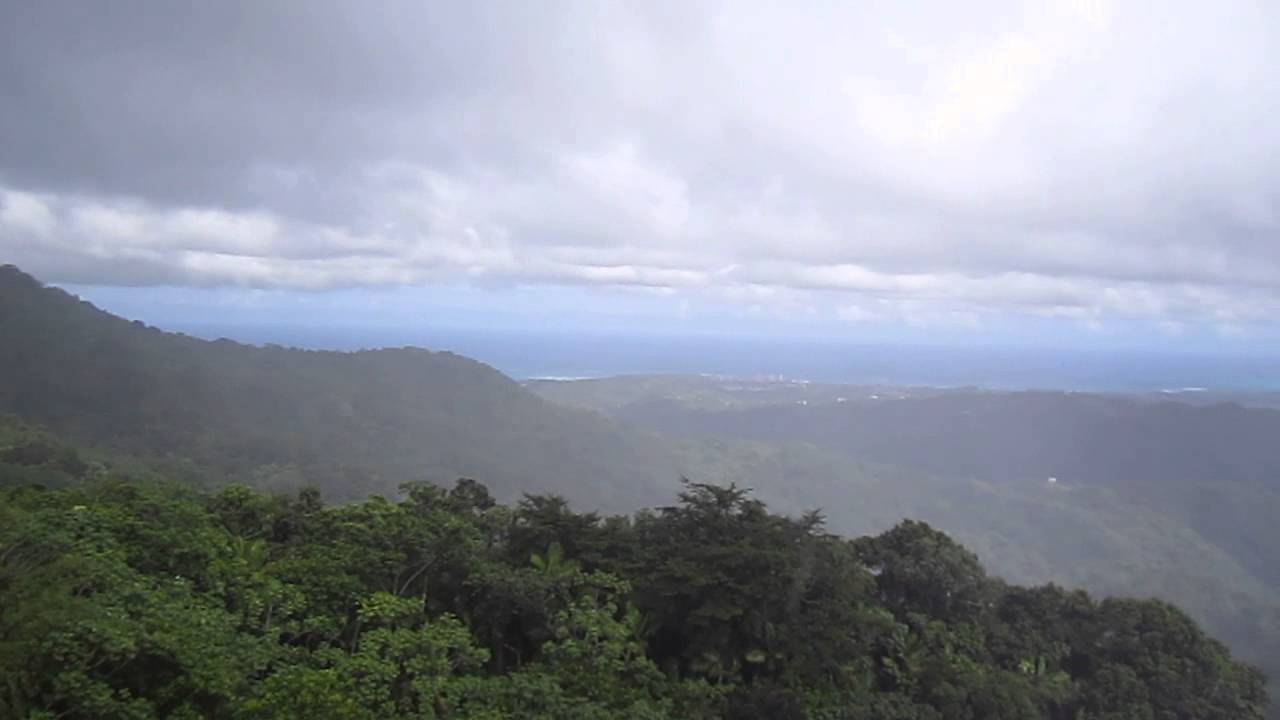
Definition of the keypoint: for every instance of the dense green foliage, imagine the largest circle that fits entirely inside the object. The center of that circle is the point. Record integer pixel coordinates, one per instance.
(135, 599)
(1151, 497)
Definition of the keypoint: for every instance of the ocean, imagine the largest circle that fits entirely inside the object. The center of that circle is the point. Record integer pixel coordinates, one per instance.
(526, 355)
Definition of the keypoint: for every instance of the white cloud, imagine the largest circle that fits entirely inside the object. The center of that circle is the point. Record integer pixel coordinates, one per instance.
(25, 213)
(911, 162)
(457, 235)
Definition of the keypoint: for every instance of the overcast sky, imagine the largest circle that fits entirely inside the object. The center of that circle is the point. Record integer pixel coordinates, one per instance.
(855, 167)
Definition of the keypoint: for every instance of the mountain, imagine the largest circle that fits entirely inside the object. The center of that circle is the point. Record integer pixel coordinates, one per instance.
(351, 423)
(1121, 495)
(1215, 467)
(1149, 499)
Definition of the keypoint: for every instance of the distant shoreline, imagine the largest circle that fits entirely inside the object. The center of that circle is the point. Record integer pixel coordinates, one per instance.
(558, 356)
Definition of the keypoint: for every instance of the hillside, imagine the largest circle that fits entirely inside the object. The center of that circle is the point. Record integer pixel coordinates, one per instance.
(1215, 467)
(1160, 499)
(972, 463)
(128, 597)
(350, 423)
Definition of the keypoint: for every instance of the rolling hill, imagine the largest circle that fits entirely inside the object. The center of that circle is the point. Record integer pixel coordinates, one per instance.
(1150, 499)
(1147, 498)
(350, 423)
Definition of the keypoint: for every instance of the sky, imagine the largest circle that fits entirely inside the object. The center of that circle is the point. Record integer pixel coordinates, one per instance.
(1084, 173)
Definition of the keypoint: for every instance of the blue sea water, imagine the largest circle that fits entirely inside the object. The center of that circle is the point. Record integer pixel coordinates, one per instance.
(524, 355)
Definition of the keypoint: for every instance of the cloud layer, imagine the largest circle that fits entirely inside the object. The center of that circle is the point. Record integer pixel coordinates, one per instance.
(906, 162)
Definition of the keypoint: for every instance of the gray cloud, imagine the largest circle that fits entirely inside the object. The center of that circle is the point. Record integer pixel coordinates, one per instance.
(1081, 159)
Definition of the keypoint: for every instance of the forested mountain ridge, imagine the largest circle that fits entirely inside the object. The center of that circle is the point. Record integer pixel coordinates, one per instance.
(351, 423)
(1215, 468)
(1149, 498)
(361, 423)
(127, 596)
